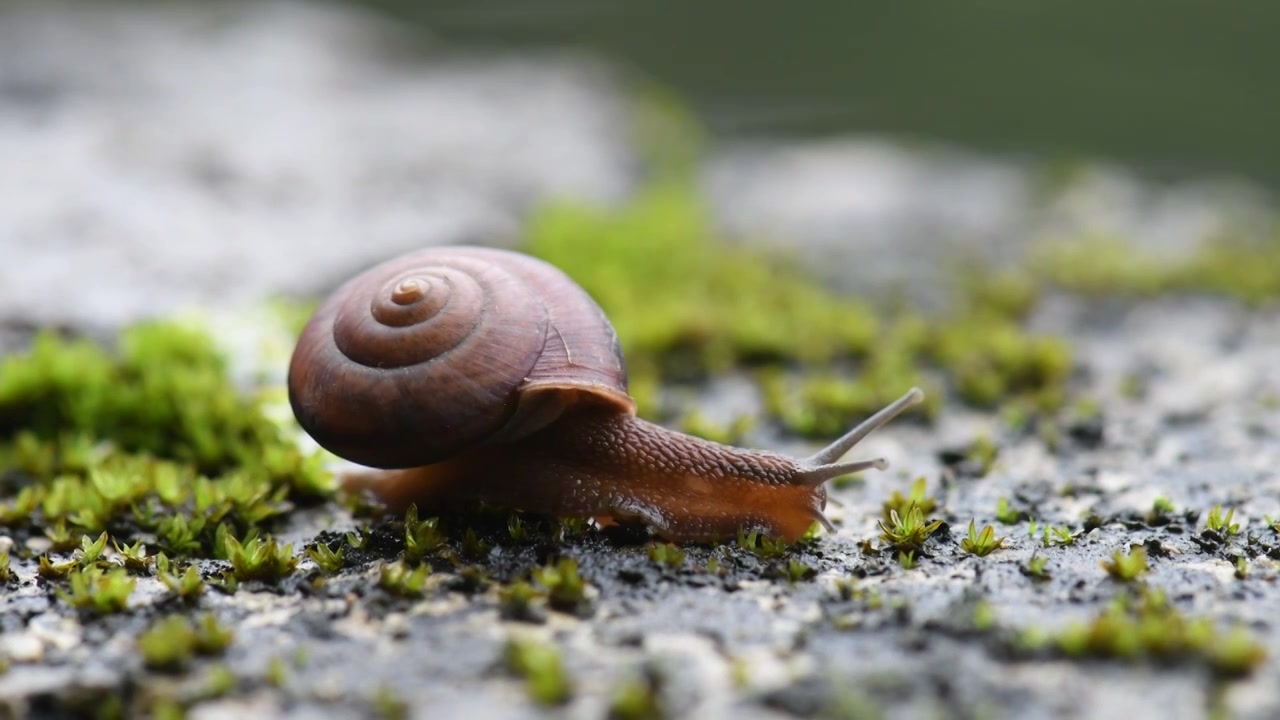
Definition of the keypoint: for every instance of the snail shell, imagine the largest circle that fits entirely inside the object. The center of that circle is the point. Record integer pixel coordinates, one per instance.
(447, 349)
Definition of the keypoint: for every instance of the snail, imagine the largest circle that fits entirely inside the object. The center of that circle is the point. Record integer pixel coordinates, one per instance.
(478, 375)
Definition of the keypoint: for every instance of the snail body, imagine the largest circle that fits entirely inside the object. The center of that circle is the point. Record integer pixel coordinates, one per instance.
(476, 375)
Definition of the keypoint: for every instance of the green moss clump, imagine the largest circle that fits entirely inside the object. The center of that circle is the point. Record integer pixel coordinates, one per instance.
(1148, 627)
(540, 665)
(149, 438)
(683, 301)
(1245, 269)
(686, 303)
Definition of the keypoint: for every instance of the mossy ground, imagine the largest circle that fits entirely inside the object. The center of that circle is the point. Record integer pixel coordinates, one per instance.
(144, 492)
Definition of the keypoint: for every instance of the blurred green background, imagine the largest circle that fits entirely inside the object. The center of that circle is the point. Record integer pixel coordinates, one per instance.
(1172, 88)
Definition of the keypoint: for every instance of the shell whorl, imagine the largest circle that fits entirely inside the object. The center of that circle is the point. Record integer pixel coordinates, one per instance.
(445, 349)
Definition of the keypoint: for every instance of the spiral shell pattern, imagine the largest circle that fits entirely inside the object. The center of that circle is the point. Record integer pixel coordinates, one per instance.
(430, 354)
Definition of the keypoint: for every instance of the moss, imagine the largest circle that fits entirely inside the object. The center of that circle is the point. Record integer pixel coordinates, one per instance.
(1246, 269)
(1127, 568)
(687, 303)
(1146, 626)
(172, 643)
(981, 543)
(543, 671)
(147, 442)
(731, 305)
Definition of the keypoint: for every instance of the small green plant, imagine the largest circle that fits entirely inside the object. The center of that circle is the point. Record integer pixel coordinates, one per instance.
(1273, 524)
(167, 645)
(916, 497)
(981, 543)
(189, 586)
(1058, 536)
(795, 571)
(62, 538)
(1220, 523)
(6, 572)
(135, 556)
(1035, 567)
(421, 537)
(983, 451)
(1242, 568)
(637, 699)
(400, 580)
(51, 570)
(261, 560)
(516, 528)
(93, 590)
(761, 545)
(1006, 514)
(909, 532)
(517, 602)
(91, 550)
(326, 559)
(543, 671)
(472, 546)
(667, 555)
(1127, 568)
(171, 643)
(566, 590)
(1148, 626)
(907, 560)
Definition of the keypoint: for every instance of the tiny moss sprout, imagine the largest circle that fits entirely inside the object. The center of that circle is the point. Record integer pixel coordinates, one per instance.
(794, 571)
(6, 572)
(91, 550)
(1057, 536)
(473, 546)
(1241, 568)
(566, 589)
(909, 532)
(259, 559)
(1127, 567)
(326, 559)
(1149, 627)
(188, 586)
(516, 528)
(1222, 524)
(421, 537)
(1006, 514)
(50, 570)
(1036, 567)
(517, 602)
(916, 497)
(389, 705)
(666, 554)
(760, 545)
(981, 543)
(637, 699)
(542, 669)
(983, 451)
(134, 557)
(172, 643)
(401, 580)
(1273, 524)
(94, 590)
(907, 560)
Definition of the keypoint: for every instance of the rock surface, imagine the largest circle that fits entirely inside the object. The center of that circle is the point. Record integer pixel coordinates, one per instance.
(165, 156)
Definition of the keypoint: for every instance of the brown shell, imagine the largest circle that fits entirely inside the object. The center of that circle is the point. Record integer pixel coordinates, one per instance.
(447, 349)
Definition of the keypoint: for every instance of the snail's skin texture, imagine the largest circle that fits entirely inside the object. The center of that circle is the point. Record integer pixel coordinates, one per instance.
(474, 375)
(619, 469)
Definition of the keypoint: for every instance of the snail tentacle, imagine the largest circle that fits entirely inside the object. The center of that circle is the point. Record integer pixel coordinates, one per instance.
(837, 449)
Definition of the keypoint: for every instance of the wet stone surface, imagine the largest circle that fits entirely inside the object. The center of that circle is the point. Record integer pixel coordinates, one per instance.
(207, 213)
